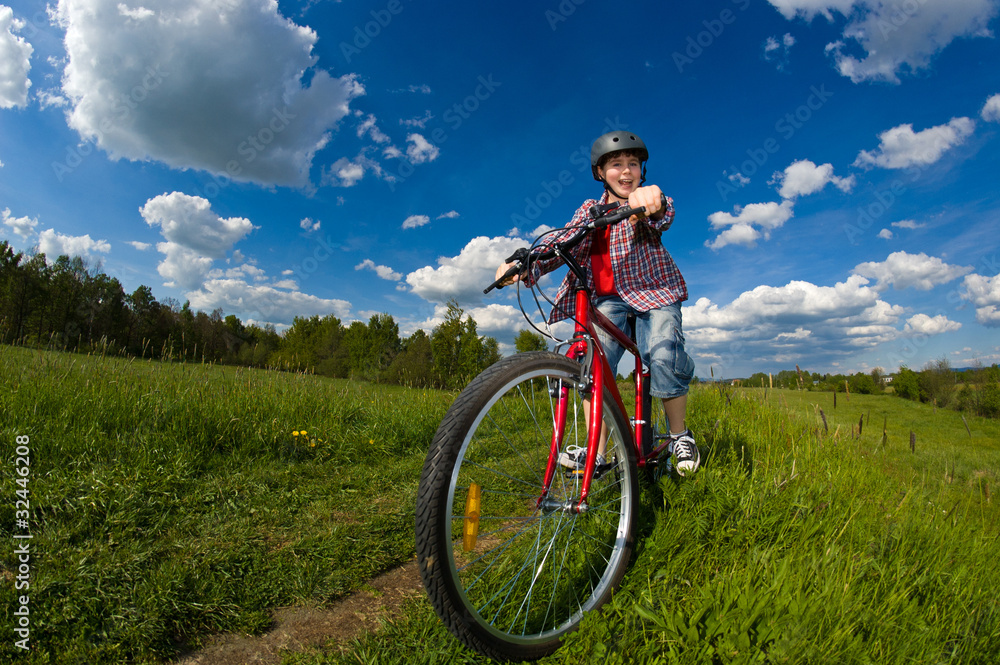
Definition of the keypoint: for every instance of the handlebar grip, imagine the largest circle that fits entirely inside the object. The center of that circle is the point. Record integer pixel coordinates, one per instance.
(513, 270)
(604, 215)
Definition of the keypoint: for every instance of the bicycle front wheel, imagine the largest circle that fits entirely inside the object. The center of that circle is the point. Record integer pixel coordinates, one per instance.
(511, 568)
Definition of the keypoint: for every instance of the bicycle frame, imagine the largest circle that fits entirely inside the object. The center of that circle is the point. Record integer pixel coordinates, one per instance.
(585, 344)
(584, 347)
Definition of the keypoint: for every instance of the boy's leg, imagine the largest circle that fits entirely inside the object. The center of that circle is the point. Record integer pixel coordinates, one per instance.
(616, 310)
(676, 410)
(661, 340)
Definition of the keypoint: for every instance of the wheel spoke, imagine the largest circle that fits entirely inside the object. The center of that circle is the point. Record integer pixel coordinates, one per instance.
(536, 567)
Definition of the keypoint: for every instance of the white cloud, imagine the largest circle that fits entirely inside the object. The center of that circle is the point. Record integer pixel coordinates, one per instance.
(216, 86)
(901, 270)
(420, 149)
(15, 61)
(449, 215)
(195, 236)
(384, 272)
(804, 177)
(797, 301)
(885, 234)
(984, 293)
(51, 99)
(738, 179)
(141, 246)
(923, 324)
(269, 302)
(991, 109)
(416, 221)
(368, 126)
(808, 9)
(190, 222)
(893, 37)
(463, 277)
(54, 244)
(182, 267)
(502, 322)
(908, 224)
(22, 226)
(786, 323)
(139, 13)
(420, 122)
(737, 234)
(901, 147)
(741, 228)
(777, 51)
(347, 172)
(308, 225)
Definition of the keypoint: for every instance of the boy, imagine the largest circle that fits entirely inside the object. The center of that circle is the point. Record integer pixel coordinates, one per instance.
(632, 273)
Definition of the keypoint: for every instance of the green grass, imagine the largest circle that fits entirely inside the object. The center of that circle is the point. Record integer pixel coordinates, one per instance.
(172, 501)
(792, 545)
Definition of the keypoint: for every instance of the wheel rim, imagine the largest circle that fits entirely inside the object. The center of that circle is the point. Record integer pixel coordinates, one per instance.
(532, 573)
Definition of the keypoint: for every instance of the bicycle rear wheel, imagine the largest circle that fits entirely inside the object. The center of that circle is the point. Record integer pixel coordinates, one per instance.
(509, 575)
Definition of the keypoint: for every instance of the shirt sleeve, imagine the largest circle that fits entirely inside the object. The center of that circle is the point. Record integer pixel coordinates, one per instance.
(663, 223)
(539, 268)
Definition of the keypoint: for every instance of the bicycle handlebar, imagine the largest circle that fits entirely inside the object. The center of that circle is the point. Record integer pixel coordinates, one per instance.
(600, 217)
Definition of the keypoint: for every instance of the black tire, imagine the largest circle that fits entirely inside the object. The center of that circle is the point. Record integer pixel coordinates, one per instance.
(532, 573)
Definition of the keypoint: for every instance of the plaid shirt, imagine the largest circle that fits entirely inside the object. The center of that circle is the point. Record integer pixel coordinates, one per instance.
(645, 274)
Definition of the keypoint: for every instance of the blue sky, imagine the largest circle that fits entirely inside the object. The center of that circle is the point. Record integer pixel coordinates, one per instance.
(833, 163)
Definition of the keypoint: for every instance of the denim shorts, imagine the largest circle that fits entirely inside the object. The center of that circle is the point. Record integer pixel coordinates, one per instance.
(660, 339)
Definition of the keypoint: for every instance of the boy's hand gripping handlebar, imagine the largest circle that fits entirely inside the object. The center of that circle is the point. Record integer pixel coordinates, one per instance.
(600, 217)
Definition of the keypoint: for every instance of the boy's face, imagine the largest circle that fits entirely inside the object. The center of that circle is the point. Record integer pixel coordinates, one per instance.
(623, 172)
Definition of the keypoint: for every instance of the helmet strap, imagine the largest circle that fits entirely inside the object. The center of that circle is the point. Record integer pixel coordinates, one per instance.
(609, 190)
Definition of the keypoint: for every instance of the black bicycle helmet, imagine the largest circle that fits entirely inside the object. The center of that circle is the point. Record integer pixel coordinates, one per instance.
(614, 142)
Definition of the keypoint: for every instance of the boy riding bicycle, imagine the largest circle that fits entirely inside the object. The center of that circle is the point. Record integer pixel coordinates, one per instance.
(631, 275)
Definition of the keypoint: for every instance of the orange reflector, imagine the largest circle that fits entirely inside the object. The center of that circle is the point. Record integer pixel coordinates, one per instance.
(470, 531)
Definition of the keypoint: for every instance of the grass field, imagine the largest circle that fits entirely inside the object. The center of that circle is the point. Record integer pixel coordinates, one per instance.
(170, 502)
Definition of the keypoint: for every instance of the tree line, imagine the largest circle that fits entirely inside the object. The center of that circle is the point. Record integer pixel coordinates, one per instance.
(972, 390)
(70, 306)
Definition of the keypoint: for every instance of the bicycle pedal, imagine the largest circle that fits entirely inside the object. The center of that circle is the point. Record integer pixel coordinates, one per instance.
(599, 471)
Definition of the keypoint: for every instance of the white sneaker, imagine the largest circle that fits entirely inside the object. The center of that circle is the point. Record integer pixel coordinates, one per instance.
(575, 457)
(686, 451)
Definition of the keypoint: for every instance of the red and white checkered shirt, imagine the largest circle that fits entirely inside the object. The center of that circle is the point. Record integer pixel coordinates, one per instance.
(646, 276)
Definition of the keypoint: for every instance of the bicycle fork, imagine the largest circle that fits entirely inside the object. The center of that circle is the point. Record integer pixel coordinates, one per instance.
(593, 384)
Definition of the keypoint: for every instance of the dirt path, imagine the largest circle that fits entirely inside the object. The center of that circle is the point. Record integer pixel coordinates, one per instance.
(296, 628)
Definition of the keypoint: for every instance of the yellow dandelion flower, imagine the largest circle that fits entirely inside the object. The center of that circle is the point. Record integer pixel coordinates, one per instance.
(303, 432)
(312, 445)
(295, 433)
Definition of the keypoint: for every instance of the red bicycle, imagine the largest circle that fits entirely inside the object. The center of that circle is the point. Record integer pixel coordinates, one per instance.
(514, 548)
